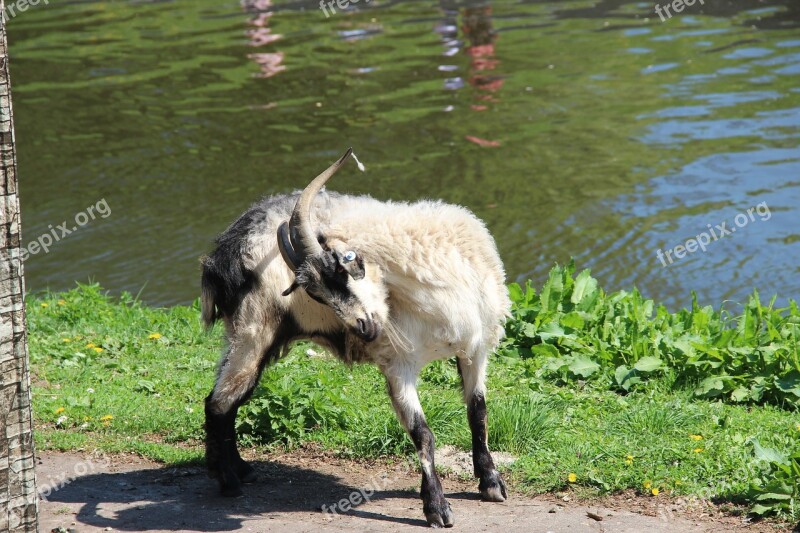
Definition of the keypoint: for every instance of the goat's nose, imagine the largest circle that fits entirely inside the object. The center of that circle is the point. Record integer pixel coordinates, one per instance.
(367, 329)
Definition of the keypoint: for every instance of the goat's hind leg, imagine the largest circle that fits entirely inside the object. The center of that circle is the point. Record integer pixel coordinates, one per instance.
(236, 378)
(403, 392)
(473, 377)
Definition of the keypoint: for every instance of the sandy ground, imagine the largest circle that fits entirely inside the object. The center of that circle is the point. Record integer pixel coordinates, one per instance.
(126, 493)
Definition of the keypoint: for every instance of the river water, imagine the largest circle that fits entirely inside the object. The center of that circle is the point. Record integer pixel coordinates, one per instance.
(592, 130)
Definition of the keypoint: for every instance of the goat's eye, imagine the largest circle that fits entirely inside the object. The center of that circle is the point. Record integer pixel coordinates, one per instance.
(349, 256)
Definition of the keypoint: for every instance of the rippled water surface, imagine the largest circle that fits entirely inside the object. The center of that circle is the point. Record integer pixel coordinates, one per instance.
(573, 128)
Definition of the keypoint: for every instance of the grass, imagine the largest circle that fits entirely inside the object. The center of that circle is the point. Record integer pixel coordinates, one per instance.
(118, 376)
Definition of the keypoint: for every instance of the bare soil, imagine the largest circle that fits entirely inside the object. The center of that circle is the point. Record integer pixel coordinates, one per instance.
(127, 493)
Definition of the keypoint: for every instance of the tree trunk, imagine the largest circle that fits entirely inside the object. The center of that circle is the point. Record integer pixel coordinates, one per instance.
(18, 499)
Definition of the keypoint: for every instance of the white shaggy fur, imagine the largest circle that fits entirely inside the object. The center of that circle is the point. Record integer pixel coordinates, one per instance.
(443, 287)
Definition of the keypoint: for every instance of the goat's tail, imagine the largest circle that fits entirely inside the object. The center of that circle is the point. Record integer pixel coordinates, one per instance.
(208, 295)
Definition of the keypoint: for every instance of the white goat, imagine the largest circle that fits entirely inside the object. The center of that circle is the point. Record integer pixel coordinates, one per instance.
(391, 283)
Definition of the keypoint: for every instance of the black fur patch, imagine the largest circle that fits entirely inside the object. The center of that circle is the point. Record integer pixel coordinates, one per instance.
(325, 281)
(224, 274)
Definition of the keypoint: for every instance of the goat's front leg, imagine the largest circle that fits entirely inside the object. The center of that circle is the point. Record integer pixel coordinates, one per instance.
(473, 376)
(403, 391)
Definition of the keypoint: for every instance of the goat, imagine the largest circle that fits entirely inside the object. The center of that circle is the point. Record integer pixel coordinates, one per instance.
(392, 283)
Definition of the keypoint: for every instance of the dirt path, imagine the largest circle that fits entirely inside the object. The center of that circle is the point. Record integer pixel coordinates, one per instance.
(127, 493)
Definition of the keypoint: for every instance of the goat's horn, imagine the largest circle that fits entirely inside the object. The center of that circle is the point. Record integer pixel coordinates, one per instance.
(303, 236)
(290, 255)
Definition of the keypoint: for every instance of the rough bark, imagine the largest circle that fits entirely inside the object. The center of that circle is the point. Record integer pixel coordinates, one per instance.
(18, 499)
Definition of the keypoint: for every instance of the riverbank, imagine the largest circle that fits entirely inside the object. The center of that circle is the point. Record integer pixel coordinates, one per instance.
(115, 376)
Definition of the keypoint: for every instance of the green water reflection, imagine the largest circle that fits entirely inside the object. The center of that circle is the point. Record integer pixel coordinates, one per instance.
(574, 128)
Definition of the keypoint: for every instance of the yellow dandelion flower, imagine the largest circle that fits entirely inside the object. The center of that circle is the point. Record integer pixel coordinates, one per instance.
(106, 418)
(66, 339)
(60, 410)
(62, 302)
(629, 459)
(648, 484)
(91, 345)
(154, 336)
(97, 349)
(696, 437)
(697, 450)
(655, 491)
(797, 427)
(572, 477)
(45, 305)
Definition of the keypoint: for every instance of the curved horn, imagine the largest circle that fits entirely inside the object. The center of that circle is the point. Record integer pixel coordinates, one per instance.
(302, 235)
(292, 258)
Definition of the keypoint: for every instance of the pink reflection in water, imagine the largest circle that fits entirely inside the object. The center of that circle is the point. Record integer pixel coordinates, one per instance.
(269, 63)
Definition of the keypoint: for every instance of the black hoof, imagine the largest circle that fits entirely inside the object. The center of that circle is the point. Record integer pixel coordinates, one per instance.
(439, 515)
(492, 487)
(229, 484)
(246, 473)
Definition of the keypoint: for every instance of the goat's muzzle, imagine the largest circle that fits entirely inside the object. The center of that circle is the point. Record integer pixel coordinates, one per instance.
(367, 329)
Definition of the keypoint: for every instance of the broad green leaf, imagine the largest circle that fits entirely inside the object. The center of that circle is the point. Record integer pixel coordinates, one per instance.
(549, 331)
(626, 378)
(515, 292)
(552, 290)
(790, 383)
(685, 346)
(555, 364)
(544, 350)
(774, 496)
(761, 509)
(620, 374)
(583, 366)
(767, 454)
(572, 320)
(529, 330)
(740, 394)
(585, 285)
(710, 386)
(648, 364)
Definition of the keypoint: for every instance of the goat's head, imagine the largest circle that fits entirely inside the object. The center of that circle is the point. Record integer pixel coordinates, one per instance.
(328, 270)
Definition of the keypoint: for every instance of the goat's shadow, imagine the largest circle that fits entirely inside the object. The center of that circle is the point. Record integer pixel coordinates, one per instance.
(184, 498)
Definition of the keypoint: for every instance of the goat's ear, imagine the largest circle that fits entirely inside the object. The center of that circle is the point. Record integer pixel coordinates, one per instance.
(293, 287)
